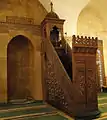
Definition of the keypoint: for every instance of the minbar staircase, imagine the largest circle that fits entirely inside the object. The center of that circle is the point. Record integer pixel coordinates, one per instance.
(70, 80)
(66, 59)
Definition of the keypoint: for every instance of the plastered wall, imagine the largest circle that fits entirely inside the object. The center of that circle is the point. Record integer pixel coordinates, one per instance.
(92, 21)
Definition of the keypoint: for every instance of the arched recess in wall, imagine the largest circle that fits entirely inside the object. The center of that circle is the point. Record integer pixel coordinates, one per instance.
(20, 62)
(55, 34)
(91, 23)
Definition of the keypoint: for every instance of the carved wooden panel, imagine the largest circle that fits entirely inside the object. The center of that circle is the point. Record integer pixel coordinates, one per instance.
(79, 80)
(91, 82)
(55, 93)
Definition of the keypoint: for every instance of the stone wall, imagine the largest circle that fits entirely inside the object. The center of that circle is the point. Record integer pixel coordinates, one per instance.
(19, 17)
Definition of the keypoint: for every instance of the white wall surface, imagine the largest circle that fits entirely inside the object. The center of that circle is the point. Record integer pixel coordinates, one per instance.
(68, 10)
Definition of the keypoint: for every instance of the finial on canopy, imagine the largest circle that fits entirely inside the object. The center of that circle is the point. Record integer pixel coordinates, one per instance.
(51, 6)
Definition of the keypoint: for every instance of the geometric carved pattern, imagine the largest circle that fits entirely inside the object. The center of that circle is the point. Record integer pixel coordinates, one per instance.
(81, 80)
(91, 84)
(85, 41)
(84, 44)
(90, 79)
(55, 93)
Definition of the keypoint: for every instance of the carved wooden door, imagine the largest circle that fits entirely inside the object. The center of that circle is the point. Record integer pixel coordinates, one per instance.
(85, 82)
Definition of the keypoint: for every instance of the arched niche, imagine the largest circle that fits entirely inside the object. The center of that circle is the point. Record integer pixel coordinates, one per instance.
(20, 62)
(92, 22)
(55, 36)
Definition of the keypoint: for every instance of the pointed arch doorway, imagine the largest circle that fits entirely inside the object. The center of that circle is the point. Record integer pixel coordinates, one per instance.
(19, 68)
